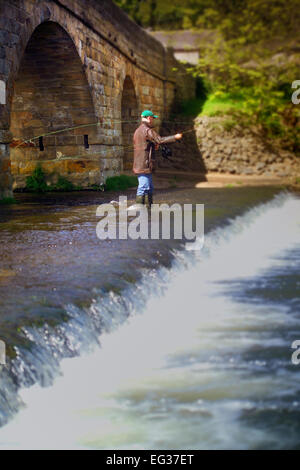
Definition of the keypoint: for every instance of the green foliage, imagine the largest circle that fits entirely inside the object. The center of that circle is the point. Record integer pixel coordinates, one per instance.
(220, 103)
(259, 96)
(120, 183)
(37, 181)
(239, 20)
(8, 200)
(239, 75)
(249, 21)
(158, 13)
(63, 185)
(98, 187)
(190, 107)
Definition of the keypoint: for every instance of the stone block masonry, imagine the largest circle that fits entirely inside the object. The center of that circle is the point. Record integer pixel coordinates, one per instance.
(241, 151)
(65, 64)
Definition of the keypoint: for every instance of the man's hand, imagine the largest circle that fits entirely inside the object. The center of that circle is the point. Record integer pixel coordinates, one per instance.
(178, 136)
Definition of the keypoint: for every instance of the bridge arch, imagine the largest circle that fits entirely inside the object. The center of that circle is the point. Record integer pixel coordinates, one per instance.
(51, 93)
(130, 117)
(107, 46)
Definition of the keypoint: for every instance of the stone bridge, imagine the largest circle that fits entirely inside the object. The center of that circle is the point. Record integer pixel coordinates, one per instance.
(81, 72)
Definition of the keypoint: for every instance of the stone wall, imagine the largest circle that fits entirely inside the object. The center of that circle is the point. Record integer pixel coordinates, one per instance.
(207, 146)
(63, 64)
(241, 151)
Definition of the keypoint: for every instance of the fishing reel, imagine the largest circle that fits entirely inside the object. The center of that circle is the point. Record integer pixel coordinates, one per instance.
(166, 152)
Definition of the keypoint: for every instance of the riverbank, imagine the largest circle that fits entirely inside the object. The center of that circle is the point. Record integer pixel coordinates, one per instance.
(179, 179)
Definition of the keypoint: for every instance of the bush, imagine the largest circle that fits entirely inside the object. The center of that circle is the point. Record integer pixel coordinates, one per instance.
(8, 200)
(258, 97)
(37, 181)
(63, 185)
(120, 183)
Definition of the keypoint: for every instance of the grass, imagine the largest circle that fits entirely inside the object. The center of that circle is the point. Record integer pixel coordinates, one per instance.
(120, 183)
(215, 104)
(8, 200)
(219, 104)
(248, 107)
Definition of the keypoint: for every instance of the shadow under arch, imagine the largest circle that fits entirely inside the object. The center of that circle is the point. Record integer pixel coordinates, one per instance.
(186, 155)
(130, 119)
(51, 92)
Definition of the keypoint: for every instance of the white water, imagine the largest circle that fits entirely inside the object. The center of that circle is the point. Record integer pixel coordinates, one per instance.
(171, 376)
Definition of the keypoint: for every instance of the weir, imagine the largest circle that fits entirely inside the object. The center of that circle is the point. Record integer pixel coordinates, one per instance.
(215, 364)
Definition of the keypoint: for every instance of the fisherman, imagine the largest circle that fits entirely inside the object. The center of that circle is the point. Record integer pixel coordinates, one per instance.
(145, 142)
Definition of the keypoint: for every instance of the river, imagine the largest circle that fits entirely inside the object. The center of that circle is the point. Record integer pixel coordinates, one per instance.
(123, 344)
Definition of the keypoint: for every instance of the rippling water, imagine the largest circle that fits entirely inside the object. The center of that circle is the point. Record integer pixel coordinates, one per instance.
(195, 354)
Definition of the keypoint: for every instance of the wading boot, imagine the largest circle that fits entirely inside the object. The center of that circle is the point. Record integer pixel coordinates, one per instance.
(140, 199)
(148, 200)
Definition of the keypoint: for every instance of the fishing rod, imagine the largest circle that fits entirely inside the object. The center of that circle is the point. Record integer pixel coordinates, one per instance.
(70, 129)
(166, 152)
(101, 122)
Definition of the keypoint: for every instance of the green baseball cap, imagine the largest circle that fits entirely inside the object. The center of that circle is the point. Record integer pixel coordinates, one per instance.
(147, 113)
